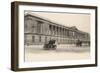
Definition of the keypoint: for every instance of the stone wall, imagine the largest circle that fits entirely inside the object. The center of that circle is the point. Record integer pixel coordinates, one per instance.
(40, 31)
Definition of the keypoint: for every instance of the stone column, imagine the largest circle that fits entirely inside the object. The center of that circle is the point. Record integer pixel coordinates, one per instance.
(42, 28)
(56, 30)
(64, 32)
(47, 28)
(53, 30)
(60, 32)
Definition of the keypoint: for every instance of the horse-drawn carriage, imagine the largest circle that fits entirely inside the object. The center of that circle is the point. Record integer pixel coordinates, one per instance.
(50, 45)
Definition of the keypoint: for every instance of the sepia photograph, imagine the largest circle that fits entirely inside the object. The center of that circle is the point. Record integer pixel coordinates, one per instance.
(52, 36)
(56, 36)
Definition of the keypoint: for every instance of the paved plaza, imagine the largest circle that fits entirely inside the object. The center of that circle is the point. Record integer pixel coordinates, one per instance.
(63, 52)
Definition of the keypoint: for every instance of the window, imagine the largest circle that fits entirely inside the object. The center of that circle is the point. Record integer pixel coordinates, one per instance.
(45, 39)
(40, 39)
(33, 38)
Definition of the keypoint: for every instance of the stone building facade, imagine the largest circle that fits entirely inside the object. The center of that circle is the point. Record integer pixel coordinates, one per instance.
(39, 31)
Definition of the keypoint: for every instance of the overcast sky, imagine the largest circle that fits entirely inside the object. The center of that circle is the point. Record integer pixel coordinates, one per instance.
(81, 21)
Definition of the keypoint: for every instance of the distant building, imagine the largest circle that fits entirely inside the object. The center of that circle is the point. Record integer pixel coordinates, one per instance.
(39, 31)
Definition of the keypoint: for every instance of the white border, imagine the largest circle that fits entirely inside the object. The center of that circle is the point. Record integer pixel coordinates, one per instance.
(23, 64)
